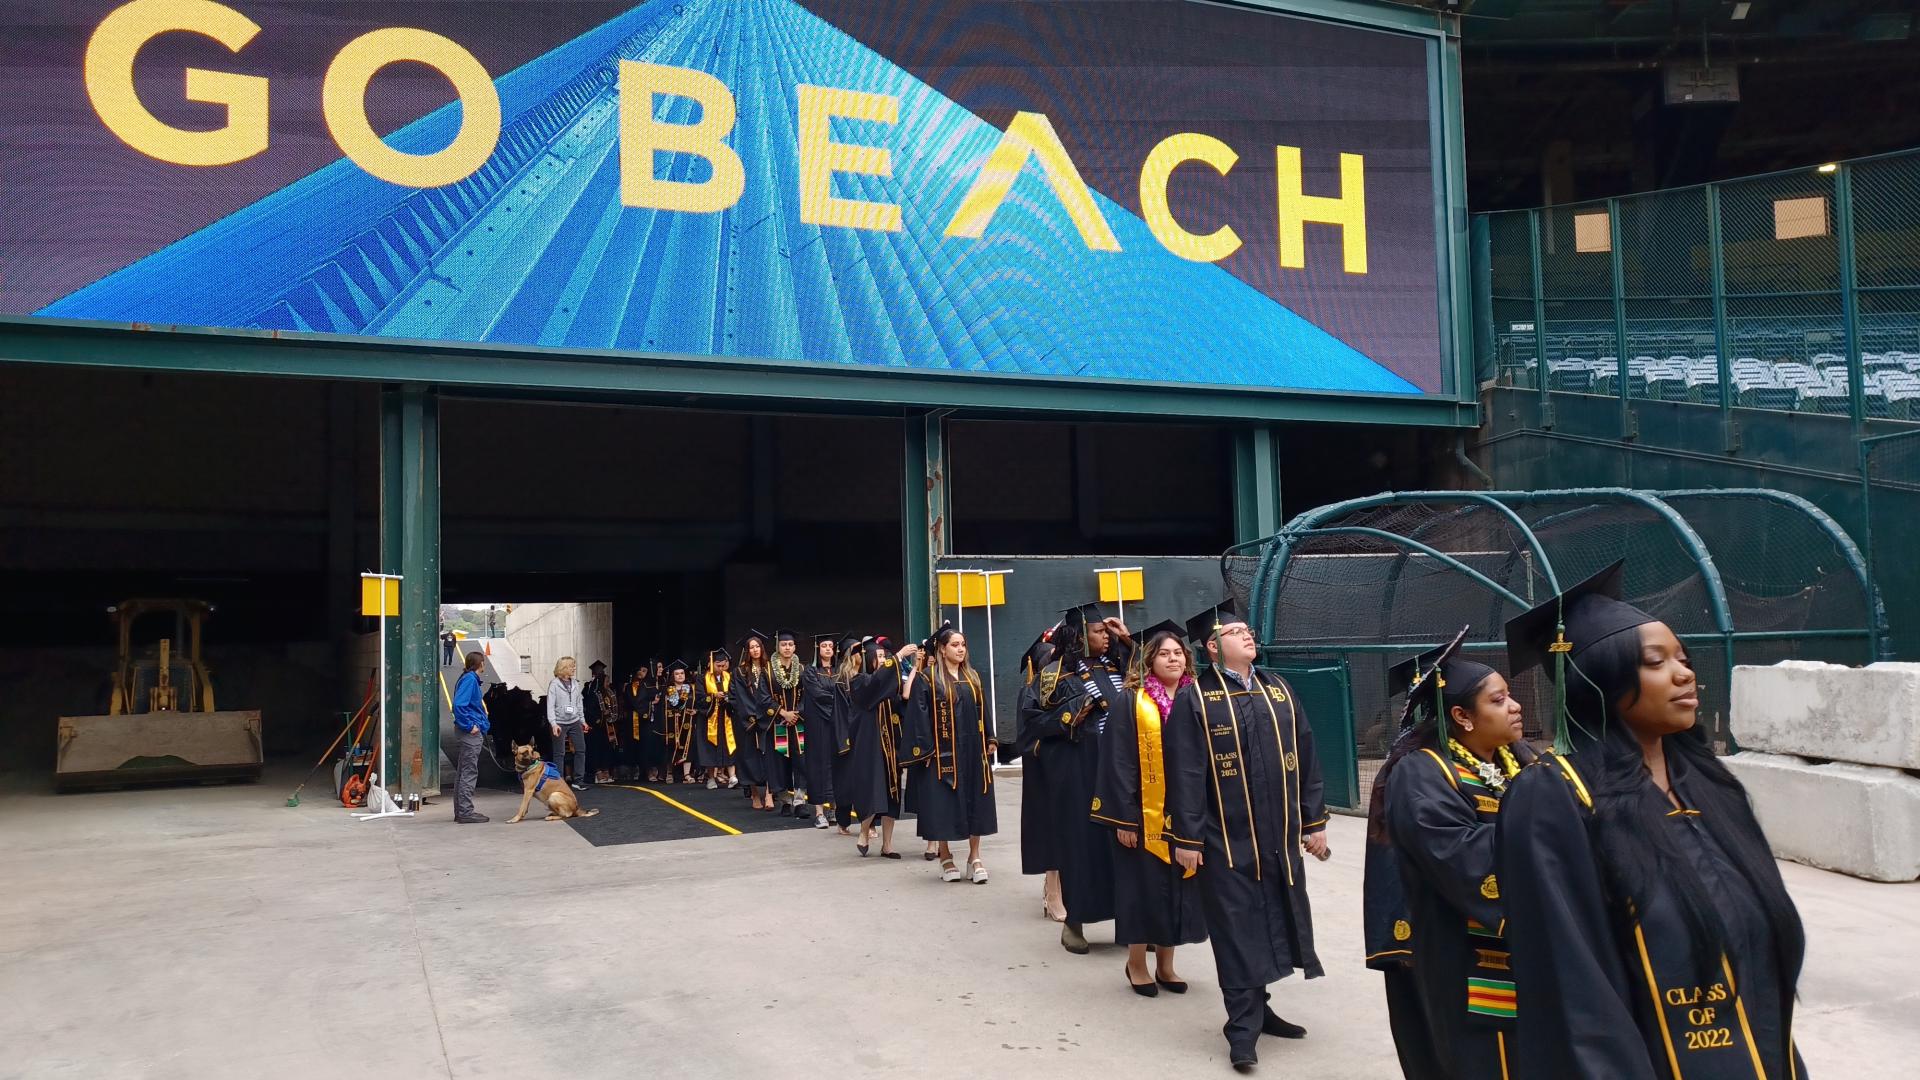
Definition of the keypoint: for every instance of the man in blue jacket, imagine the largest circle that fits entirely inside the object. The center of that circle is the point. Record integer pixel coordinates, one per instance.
(470, 720)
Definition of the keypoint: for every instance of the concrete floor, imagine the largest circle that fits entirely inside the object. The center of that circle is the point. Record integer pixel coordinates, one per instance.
(214, 933)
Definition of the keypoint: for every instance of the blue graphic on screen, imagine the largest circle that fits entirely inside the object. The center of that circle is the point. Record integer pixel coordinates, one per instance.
(536, 249)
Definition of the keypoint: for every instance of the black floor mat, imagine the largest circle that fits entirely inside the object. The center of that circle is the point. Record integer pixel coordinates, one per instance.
(636, 817)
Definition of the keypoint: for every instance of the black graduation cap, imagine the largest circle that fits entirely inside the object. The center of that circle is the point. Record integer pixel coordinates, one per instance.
(597, 665)
(1164, 626)
(939, 636)
(677, 665)
(1591, 612)
(835, 638)
(1200, 627)
(1080, 615)
(1415, 671)
(714, 656)
(785, 635)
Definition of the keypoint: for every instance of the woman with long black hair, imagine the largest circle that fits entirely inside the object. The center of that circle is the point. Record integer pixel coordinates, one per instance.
(1646, 916)
(1156, 903)
(874, 686)
(954, 792)
(753, 711)
(820, 712)
(1433, 914)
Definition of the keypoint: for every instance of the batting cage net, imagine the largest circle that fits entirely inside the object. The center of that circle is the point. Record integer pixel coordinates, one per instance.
(1343, 592)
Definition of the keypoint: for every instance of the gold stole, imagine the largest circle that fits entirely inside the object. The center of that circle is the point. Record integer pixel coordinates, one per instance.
(717, 694)
(1153, 778)
(947, 766)
(633, 694)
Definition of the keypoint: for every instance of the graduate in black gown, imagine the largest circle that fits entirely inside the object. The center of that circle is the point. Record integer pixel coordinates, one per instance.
(1156, 901)
(1244, 799)
(819, 715)
(716, 741)
(1436, 803)
(785, 678)
(1067, 711)
(679, 708)
(753, 713)
(875, 687)
(955, 787)
(639, 738)
(601, 700)
(1650, 928)
(1036, 832)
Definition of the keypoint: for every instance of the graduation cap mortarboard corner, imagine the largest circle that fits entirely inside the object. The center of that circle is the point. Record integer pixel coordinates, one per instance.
(1202, 626)
(1417, 670)
(1590, 611)
(597, 665)
(1164, 626)
(786, 635)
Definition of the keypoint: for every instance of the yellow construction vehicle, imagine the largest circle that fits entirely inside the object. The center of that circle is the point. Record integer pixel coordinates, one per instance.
(161, 723)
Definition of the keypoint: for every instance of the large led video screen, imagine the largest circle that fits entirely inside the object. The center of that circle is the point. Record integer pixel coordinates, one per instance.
(1172, 191)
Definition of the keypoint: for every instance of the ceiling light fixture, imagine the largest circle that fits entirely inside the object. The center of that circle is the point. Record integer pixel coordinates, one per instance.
(1740, 11)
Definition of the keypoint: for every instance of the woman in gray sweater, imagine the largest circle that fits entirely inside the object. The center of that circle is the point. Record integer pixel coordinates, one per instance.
(567, 716)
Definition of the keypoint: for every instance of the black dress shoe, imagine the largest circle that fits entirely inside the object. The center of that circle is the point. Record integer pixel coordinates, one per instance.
(1143, 989)
(1171, 986)
(1243, 1058)
(1273, 1025)
(1073, 940)
(473, 819)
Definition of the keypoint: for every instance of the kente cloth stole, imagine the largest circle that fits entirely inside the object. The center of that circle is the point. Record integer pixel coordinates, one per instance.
(1153, 778)
(717, 693)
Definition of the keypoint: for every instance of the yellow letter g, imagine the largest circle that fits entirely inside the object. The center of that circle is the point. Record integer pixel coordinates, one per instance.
(109, 76)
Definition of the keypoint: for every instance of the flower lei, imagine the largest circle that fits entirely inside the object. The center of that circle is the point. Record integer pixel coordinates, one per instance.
(1495, 774)
(786, 675)
(1162, 697)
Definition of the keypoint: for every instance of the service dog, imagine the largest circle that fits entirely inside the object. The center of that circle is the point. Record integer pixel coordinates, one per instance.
(541, 780)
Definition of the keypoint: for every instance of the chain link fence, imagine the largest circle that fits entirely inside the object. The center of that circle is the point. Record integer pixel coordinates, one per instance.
(1795, 291)
(1744, 576)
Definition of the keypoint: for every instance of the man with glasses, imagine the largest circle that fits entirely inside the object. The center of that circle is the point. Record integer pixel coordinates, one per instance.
(1244, 799)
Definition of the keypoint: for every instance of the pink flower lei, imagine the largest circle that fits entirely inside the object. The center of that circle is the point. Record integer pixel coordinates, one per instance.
(1163, 697)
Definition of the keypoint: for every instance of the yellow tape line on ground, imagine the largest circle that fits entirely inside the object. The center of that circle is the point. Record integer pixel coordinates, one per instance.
(721, 825)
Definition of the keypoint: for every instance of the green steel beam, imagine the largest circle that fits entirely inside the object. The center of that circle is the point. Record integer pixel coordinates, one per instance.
(1256, 484)
(690, 380)
(410, 547)
(1539, 319)
(1617, 262)
(1850, 297)
(1717, 272)
(924, 533)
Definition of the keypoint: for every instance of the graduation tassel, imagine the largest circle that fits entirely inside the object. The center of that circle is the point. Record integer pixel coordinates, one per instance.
(1562, 743)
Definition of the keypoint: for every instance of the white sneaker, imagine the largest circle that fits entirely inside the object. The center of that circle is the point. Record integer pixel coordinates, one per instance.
(819, 821)
(712, 784)
(798, 798)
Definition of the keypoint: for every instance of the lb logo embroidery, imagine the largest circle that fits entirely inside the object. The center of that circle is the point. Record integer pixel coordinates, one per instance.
(1490, 888)
(1401, 931)
(1274, 692)
(1096, 802)
(1292, 761)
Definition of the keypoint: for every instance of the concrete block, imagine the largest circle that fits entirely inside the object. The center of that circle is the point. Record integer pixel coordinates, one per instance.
(1868, 715)
(1855, 819)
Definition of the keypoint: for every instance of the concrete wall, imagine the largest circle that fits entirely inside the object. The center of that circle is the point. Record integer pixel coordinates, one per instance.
(1856, 819)
(547, 632)
(1868, 715)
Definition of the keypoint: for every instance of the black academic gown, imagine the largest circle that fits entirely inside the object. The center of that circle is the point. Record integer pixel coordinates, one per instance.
(1243, 786)
(819, 711)
(603, 724)
(753, 716)
(1449, 998)
(1610, 994)
(787, 740)
(1071, 706)
(1155, 902)
(639, 733)
(677, 708)
(1036, 831)
(716, 740)
(953, 790)
(871, 786)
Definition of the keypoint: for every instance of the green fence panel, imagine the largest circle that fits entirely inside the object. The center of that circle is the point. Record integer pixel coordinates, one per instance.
(1323, 691)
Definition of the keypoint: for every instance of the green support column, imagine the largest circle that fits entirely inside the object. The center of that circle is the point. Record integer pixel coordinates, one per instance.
(924, 536)
(1256, 485)
(410, 546)
(1628, 427)
(1850, 299)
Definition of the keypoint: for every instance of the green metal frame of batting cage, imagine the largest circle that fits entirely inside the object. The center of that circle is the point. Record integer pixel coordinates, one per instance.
(1800, 587)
